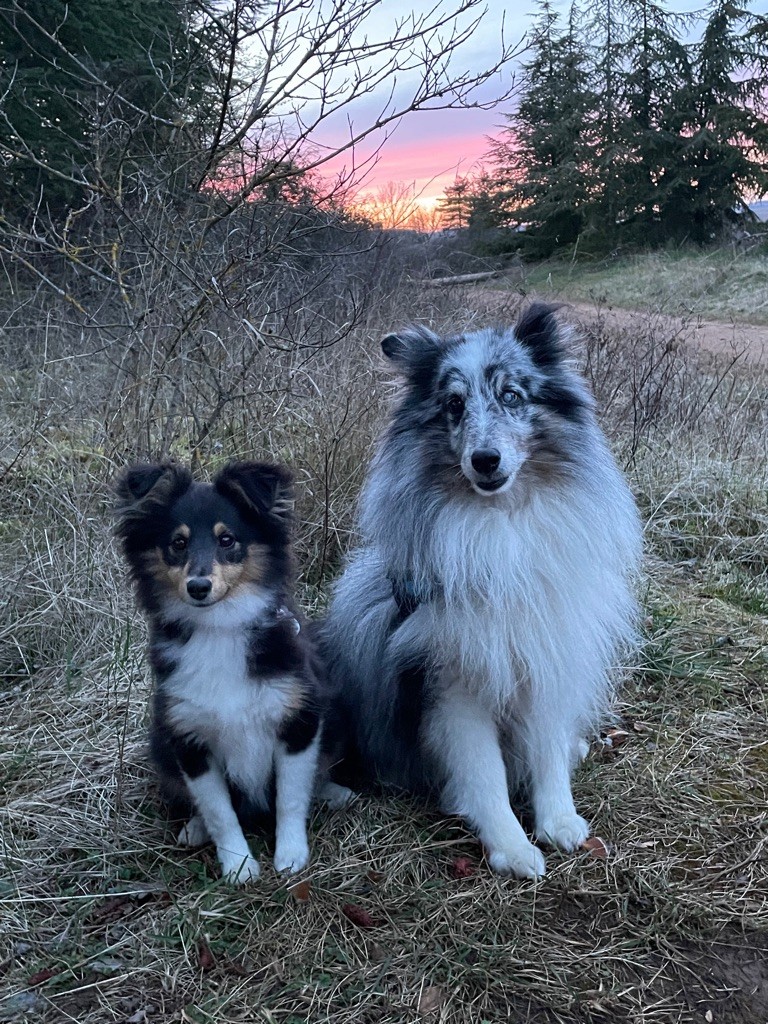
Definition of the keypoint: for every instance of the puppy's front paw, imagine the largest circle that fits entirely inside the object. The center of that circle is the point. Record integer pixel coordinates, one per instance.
(241, 870)
(291, 856)
(568, 831)
(194, 833)
(336, 797)
(520, 860)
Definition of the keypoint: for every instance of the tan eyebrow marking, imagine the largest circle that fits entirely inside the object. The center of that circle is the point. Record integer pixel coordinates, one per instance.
(220, 528)
(182, 531)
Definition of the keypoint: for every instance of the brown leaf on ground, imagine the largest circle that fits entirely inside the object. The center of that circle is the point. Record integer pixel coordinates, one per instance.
(41, 976)
(238, 968)
(358, 915)
(377, 952)
(115, 907)
(462, 867)
(377, 877)
(616, 737)
(431, 999)
(301, 891)
(205, 958)
(596, 847)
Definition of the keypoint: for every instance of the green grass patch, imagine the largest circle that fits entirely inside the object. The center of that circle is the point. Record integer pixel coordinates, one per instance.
(718, 285)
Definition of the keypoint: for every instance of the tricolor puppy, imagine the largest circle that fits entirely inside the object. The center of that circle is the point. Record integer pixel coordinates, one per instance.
(476, 632)
(238, 698)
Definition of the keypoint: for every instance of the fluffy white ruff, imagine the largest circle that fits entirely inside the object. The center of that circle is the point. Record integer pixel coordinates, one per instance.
(532, 594)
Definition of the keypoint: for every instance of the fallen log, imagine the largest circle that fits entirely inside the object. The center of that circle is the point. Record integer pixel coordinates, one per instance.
(436, 282)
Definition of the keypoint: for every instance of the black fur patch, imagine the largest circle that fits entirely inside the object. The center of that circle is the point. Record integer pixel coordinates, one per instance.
(561, 399)
(263, 494)
(162, 661)
(298, 731)
(171, 755)
(408, 712)
(537, 330)
(417, 354)
(172, 632)
(275, 650)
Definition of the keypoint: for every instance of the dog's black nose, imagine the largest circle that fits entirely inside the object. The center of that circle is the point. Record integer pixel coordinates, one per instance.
(199, 587)
(486, 460)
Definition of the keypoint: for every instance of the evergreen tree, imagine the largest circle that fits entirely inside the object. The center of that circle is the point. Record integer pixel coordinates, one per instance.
(725, 152)
(627, 133)
(456, 204)
(484, 209)
(71, 71)
(546, 155)
(655, 74)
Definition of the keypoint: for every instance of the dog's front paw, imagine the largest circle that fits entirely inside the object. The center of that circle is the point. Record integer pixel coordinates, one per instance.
(568, 831)
(336, 797)
(520, 860)
(240, 870)
(291, 856)
(194, 833)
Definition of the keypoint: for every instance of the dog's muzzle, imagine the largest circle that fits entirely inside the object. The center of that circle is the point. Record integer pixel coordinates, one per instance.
(485, 466)
(199, 587)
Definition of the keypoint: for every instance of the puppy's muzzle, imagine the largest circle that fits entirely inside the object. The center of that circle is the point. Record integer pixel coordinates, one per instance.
(199, 587)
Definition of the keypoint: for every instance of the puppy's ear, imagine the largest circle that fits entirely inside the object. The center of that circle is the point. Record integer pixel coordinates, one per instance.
(538, 330)
(411, 349)
(150, 482)
(142, 492)
(260, 490)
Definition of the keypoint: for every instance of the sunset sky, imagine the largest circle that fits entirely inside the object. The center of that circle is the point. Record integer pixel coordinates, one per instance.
(430, 148)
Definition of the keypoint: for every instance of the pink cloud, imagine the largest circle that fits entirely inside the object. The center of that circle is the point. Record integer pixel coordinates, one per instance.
(429, 148)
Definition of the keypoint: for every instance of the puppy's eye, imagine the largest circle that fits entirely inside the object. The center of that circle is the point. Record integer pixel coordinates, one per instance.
(455, 405)
(510, 396)
(226, 540)
(179, 544)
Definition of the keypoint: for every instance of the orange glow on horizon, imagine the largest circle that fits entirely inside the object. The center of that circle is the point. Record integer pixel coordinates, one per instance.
(427, 166)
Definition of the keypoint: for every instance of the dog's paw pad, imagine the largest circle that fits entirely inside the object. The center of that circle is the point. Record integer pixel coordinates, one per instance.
(336, 797)
(291, 857)
(521, 861)
(567, 831)
(242, 871)
(194, 833)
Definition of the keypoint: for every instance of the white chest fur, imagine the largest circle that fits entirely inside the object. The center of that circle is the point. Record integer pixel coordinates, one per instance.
(213, 699)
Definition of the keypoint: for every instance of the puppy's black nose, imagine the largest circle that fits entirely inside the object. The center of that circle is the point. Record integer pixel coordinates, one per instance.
(199, 587)
(486, 460)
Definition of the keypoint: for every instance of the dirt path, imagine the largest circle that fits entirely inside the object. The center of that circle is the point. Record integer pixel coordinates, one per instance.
(749, 340)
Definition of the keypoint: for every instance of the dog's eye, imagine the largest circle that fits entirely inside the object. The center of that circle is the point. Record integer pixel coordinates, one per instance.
(226, 540)
(510, 396)
(455, 405)
(179, 544)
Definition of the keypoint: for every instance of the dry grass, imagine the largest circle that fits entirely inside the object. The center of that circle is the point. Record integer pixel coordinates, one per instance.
(719, 285)
(103, 919)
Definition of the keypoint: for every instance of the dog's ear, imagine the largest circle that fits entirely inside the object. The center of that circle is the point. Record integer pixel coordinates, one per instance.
(538, 330)
(150, 482)
(142, 492)
(260, 490)
(412, 348)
